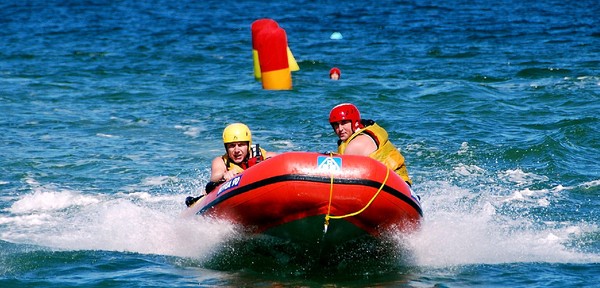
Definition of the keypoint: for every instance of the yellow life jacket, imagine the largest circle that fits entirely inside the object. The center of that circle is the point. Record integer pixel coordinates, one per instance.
(386, 152)
(244, 165)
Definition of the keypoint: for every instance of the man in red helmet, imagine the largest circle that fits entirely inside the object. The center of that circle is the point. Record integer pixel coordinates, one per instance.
(364, 137)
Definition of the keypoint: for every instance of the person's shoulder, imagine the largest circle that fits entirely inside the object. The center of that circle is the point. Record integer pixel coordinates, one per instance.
(362, 138)
(362, 144)
(271, 154)
(218, 159)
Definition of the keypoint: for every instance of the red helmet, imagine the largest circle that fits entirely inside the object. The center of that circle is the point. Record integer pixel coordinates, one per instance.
(335, 70)
(345, 111)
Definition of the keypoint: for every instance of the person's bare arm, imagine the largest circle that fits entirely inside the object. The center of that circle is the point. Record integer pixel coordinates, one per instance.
(217, 170)
(361, 145)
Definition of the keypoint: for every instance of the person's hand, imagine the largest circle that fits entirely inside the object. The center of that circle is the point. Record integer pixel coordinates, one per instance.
(229, 174)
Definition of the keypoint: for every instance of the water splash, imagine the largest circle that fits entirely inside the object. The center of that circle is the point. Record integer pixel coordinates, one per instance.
(495, 225)
(462, 226)
(133, 222)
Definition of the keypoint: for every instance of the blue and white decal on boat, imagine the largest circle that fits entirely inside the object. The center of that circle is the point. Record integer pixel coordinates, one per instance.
(232, 183)
(328, 163)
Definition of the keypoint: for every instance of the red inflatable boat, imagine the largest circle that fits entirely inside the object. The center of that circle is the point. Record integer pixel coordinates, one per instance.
(307, 197)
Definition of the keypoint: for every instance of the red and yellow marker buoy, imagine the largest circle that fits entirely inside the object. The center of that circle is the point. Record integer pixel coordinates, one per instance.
(271, 44)
(256, 27)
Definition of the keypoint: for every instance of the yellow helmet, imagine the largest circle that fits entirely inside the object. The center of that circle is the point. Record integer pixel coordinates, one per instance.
(237, 132)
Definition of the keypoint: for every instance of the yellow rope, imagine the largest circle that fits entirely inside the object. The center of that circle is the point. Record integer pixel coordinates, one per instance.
(327, 217)
(330, 197)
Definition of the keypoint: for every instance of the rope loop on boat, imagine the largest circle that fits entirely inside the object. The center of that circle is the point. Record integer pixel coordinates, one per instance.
(328, 216)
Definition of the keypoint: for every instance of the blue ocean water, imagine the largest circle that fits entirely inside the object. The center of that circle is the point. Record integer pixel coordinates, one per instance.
(112, 111)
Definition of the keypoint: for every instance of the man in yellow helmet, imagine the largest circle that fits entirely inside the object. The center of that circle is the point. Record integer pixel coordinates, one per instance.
(239, 155)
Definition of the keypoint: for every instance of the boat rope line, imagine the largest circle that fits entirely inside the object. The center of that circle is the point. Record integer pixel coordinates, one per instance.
(328, 215)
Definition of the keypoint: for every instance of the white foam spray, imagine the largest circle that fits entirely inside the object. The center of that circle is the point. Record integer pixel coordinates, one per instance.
(460, 226)
(134, 222)
(493, 226)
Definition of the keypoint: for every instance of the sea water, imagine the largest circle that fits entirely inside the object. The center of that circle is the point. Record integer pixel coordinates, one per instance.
(113, 110)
